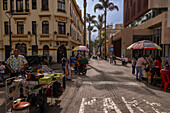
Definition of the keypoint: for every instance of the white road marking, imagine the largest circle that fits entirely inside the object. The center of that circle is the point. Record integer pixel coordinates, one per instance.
(81, 110)
(127, 105)
(108, 83)
(135, 103)
(153, 104)
(109, 104)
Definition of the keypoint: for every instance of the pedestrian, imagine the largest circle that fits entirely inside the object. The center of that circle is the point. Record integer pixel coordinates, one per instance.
(16, 63)
(2, 71)
(156, 69)
(63, 61)
(114, 59)
(72, 61)
(133, 65)
(166, 61)
(50, 59)
(141, 61)
(136, 57)
(123, 60)
(126, 60)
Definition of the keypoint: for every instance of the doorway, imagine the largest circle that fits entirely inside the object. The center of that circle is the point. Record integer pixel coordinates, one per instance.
(62, 51)
(7, 51)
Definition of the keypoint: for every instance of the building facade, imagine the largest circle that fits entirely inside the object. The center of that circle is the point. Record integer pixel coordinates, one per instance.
(43, 27)
(144, 20)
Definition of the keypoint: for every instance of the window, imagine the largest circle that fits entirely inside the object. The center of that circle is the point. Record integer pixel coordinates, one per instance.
(34, 4)
(44, 5)
(46, 50)
(19, 4)
(34, 27)
(34, 49)
(20, 27)
(61, 28)
(6, 27)
(27, 5)
(5, 6)
(12, 5)
(61, 5)
(45, 27)
(70, 11)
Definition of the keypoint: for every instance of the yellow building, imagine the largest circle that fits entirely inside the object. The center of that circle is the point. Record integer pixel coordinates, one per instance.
(55, 26)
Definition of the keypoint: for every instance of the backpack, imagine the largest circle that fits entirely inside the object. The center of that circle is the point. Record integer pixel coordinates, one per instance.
(57, 89)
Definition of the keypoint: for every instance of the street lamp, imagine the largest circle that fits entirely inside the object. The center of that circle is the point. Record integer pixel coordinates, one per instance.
(36, 38)
(9, 17)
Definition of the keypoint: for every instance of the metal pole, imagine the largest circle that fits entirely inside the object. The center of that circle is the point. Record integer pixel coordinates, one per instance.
(36, 39)
(85, 25)
(10, 34)
(9, 17)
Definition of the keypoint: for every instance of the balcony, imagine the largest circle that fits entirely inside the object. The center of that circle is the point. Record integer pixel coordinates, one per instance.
(59, 37)
(21, 38)
(20, 12)
(45, 37)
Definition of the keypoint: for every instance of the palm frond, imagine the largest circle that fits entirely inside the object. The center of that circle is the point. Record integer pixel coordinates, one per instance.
(98, 6)
(112, 7)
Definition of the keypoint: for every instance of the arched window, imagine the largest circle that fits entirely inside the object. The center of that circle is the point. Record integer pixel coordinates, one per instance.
(46, 50)
(45, 27)
(61, 5)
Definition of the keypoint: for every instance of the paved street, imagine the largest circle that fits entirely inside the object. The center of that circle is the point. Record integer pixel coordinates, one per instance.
(107, 88)
(112, 89)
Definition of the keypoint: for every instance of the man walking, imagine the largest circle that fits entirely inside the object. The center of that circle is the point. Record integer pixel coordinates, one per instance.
(16, 63)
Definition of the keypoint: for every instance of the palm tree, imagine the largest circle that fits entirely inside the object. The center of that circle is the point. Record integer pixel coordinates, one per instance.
(99, 26)
(105, 5)
(91, 22)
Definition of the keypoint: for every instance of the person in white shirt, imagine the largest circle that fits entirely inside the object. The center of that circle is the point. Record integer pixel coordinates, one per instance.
(2, 68)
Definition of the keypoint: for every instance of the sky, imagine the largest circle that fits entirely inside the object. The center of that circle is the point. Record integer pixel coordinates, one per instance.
(113, 17)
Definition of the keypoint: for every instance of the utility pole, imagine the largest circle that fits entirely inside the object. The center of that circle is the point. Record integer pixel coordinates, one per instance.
(85, 4)
(10, 33)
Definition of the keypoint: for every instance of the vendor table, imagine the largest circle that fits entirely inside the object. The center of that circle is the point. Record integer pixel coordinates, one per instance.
(31, 86)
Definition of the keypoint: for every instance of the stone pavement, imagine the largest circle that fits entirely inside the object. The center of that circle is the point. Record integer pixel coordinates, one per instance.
(109, 88)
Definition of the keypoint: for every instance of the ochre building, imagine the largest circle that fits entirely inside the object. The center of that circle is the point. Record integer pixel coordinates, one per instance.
(40, 27)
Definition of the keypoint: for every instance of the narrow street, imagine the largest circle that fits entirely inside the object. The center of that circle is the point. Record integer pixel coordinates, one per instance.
(109, 88)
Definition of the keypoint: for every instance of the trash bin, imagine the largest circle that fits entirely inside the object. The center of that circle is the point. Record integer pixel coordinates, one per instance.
(22, 107)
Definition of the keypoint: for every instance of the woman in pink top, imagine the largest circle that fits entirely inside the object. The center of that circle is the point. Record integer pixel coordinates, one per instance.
(141, 61)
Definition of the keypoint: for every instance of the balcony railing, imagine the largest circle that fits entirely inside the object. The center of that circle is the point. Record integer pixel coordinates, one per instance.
(19, 11)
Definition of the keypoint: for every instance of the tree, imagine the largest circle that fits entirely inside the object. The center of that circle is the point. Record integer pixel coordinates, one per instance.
(91, 22)
(99, 26)
(105, 5)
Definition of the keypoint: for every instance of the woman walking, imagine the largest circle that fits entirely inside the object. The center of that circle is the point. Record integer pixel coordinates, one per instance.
(141, 61)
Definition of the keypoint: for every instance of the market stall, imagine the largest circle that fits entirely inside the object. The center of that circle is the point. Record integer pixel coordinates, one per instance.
(32, 89)
(145, 45)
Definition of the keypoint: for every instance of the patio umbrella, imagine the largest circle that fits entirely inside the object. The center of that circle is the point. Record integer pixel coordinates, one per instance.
(81, 48)
(145, 44)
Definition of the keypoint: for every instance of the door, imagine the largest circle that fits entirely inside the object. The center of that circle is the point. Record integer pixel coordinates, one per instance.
(7, 51)
(62, 51)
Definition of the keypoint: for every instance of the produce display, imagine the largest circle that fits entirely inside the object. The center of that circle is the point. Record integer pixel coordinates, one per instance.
(43, 78)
